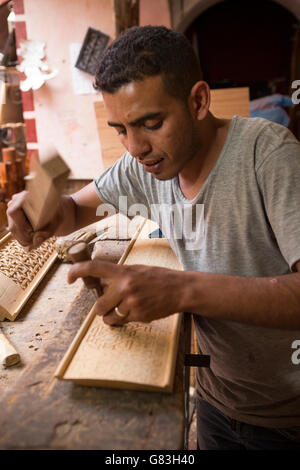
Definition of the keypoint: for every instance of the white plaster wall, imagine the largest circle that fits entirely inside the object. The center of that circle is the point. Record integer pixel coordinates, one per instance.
(62, 117)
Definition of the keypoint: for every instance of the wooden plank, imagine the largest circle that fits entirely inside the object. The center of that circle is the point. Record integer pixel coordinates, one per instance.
(40, 412)
(137, 355)
(111, 147)
(85, 326)
(228, 102)
(20, 273)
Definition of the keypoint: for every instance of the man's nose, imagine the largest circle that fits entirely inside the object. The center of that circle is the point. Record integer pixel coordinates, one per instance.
(137, 146)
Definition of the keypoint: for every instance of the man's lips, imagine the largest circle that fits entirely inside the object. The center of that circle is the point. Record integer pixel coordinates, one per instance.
(151, 164)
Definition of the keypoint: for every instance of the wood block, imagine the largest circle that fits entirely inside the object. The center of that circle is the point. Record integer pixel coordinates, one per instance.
(4, 172)
(10, 188)
(111, 147)
(135, 356)
(11, 103)
(44, 189)
(9, 154)
(3, 218)
(228, 102)
(14, 171)
(20, 168)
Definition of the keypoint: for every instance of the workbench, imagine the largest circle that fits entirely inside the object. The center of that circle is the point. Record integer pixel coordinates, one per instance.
(41, 412)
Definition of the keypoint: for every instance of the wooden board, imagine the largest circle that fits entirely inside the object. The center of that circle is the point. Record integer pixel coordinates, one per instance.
(39, 412)
(111, 147)
(20, 273)
(228, 102)
(137, 355)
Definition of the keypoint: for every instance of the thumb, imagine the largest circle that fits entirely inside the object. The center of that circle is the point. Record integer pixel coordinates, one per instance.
(46, 232)
(94, 268)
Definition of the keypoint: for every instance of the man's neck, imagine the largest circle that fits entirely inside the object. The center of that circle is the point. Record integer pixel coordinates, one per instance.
(212, 136)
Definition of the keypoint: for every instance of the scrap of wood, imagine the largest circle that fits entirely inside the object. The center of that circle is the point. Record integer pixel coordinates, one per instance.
(8, 355)
(135, 356)
(3, 217)
(228, 102)
(45, 188)
(20, 273)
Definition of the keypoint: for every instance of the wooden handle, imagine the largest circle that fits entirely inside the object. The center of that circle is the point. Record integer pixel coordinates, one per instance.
(80, 252)
(8, 354)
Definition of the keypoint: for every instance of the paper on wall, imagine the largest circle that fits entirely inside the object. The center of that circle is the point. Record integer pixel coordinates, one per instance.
(82, 82)
(34, 67)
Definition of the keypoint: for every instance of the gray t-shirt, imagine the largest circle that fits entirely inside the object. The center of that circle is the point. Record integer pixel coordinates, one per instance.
(251, 228)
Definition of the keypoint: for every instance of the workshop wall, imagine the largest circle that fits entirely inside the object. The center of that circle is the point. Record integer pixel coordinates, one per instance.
(55, 112)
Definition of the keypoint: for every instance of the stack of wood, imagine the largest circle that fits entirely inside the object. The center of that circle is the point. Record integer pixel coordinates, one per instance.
(11, 172)
(11, 179)
(13, 135)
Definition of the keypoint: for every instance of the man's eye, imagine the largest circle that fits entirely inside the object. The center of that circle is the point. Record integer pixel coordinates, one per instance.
(121, 132)
(154, 126)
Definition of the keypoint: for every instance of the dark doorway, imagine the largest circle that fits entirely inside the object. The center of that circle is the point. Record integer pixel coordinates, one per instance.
(246, 43)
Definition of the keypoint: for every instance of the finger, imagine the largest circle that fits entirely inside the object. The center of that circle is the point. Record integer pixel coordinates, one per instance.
(17, 216)
(27, 248)
(18, 199)
(107, 301)
(94, 268)
(18, 224)
(39, 237)
(47, 231)
(112, 318)
(20, 229)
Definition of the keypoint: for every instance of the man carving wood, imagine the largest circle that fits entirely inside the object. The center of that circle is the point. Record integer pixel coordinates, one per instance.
(242, 281)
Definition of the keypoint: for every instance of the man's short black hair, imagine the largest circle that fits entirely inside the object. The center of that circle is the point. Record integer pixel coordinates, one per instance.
(146, 51)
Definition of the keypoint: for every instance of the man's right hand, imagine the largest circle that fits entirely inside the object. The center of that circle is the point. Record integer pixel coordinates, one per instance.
(20, 227)
(74, 212)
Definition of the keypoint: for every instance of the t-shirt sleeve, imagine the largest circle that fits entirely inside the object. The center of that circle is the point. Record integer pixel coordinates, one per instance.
(121, 185)
(279, 179)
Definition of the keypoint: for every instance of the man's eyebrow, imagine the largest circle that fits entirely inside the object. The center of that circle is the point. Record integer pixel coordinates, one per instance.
(136, 121)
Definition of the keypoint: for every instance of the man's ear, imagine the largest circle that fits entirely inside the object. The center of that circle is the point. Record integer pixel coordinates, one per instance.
(199, 100)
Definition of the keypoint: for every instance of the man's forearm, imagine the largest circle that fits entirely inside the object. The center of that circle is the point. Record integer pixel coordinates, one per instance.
(78, 210)
(67, 216)
(271, 302)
